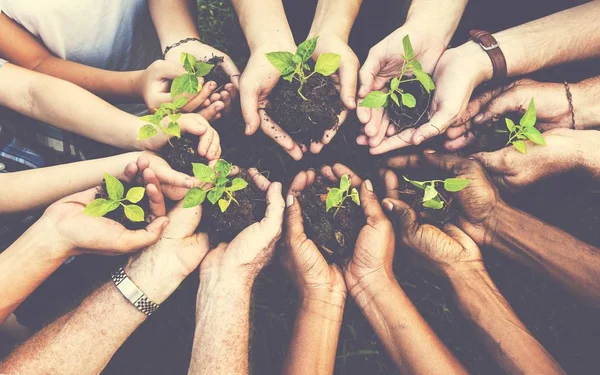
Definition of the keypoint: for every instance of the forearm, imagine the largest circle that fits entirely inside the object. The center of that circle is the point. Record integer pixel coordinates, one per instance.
(221, 338)
(504, 335)
(173, 20)
(586, 103)
(439, 17)
(543, 247)
(316, 332)
(258, 32)
(27, 190)
(335, 17)
(408, 339)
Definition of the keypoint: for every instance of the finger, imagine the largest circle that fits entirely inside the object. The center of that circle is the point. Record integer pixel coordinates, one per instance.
(226, 99)
(294, 224)
(329, 134)
(378, 138)
(298, 184)
(169, 70)
(372, 127)
(447, 162)
(348, 81)
(509, 101)
(274, 131)
(130, 241)
(405, 161)
(130, 172)
(183, 221)
(273, 220)
(211, 112)
(197, 101)
(316, 147)
(232, 71)
(327, 172)
(154, 193)
(215, 96)
(214, 150)
(258, 179)
(437, 125)
(249, 103)
(400, 140)
(362, 140)
(205, 142)
(391, 182)
(364, 114)
(339, 170)
(495, 162)
(454, 132)
(404, 216)
(310, 177)
(194, 124)
(460, 143)
(370, 204)
(459, 236)
(391, 130)
(166, 175)
(368, 72)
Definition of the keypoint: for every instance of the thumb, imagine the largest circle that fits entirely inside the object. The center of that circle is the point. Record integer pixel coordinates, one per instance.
(348, 82)
(133, 240)
(459, 236)
(509, 101)
(492, 161)
(368, 72)
(249, 103)
(183, 221)
(194, 124)
(170, 70)
(404, 216)
(438, 123)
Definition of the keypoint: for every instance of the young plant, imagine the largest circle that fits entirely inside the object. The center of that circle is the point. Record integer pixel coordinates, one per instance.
(115, 190)
(294, 66)
(337, 196)
(379, 99)
(188, 82)
(223, 190)
(170, 110)
(431, 197)
(524, 130)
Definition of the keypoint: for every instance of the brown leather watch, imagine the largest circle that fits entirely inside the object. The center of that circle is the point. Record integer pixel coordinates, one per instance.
(492, 47)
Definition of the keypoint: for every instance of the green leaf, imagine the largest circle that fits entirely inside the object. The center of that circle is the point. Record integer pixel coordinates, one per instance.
(430, 192)
(375, 99)
(355, 197)
(114, 187)
(238, 184)
(134, 213)
(520, 146)
(408, 100)
(307, 48)
(394, 97)
(455, 184)
(409, 53)
(146, 132)
(416, 66)
(334, 199)
(215, 194)
(173, 129)
(345, 183)
(135, 194)
(100, 207)
(224, 204)
(174, 117)
(202, 172)
(529, 118)
(435, 203)
(328, 63)
(188, 61)
(153, 119)
(180, 102)
(510, 125)
(187, 83)
(194, 197)
(394, 84)
(534, 136)
(282, 61)
(223, 168)
(419, 184)
(169, 106)
(203, 68)
(425, 80)
(222, 181)
(289, 77)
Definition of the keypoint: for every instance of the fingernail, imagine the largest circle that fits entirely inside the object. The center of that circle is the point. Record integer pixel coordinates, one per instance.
(388, 205)
(290, 200)
(189, 184)
(352, 101)
(369, 185)
(479, 117)
(429, 151)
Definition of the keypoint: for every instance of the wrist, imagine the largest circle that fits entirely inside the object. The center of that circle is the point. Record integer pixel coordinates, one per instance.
(137, 84)
(266, 45)
(475, 60)
(44, 240)
(586, 151)
(586, 105)
(213, 280)
(422, 16)
(367, 288)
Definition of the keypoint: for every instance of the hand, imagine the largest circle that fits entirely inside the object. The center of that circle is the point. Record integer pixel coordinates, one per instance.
(249, 252)
(566, 149)
(312, 275)
(257, 82)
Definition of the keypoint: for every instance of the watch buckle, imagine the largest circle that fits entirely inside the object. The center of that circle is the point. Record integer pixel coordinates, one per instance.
(493, 46)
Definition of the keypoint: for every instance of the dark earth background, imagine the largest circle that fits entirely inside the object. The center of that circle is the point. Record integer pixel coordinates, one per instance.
(568, 330)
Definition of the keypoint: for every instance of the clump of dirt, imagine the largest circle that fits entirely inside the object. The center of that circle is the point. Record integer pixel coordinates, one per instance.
(182, 152)
(488, 138)
(225, 226)
(335, 235)
(404, 117)
(217, 74)
(305, 120)
(118, 215)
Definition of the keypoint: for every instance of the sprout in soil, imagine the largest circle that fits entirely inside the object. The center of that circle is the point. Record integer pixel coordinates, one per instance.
(431, 197)
(294, 66)
(337, 196)
(525, 129)
(222, 186)
(188, 82)
(170, 110)
(379, 99)
(115, 190)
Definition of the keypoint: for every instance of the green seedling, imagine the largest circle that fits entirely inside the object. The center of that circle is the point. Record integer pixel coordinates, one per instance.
(188, 82)
(337, 196)
(524, 130)
(116, 191)
(431, 197)
(223, 189)
(170, 110)
(380, 99)
(294, 66)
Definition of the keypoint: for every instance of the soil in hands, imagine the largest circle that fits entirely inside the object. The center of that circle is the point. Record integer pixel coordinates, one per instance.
(402, 116)
(413, 196)
(488, 138)
(225, 226)
(182, 152)
(217, 74)
(118, 215)
(335, 235)
(305, 120)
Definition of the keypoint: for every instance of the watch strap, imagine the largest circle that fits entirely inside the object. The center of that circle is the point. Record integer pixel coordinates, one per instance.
(491, 46)
(132, 293)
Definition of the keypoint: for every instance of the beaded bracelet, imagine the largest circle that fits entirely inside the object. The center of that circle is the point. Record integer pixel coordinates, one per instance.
(570, 99)
(182, 41)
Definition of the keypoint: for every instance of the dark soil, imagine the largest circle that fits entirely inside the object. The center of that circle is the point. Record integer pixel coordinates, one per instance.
(306, 120)
(118, 215)
(487, 138)
(335, 235)
(404, 117)
(182, 152)
(225, 226)
(217, 74)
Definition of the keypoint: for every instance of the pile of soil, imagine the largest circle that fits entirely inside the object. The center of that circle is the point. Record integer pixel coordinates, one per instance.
(217, 74)
(225, 226)
(487, 138)
(335, 235)
(118, 215)
(182, 152)
(404, 117)
(305, 120)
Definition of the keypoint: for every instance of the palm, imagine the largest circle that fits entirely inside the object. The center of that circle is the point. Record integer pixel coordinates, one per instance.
(432, 243)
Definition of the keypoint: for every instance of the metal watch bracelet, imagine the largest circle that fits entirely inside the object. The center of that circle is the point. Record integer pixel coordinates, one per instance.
(132, 293)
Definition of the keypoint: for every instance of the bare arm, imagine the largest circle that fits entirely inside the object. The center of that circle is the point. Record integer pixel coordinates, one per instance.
(586, 102)
(335, 17)
(258, 32)
(173, 20)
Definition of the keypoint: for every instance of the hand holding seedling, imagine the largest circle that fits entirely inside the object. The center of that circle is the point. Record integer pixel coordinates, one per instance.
(431, 197)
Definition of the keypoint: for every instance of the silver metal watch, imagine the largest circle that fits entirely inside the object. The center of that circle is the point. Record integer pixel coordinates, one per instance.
(132, 292)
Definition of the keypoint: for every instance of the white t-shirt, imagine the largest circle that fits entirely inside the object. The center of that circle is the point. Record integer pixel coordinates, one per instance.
(115, 35)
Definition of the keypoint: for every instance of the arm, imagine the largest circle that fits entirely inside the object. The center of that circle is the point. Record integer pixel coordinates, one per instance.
(173, 20)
